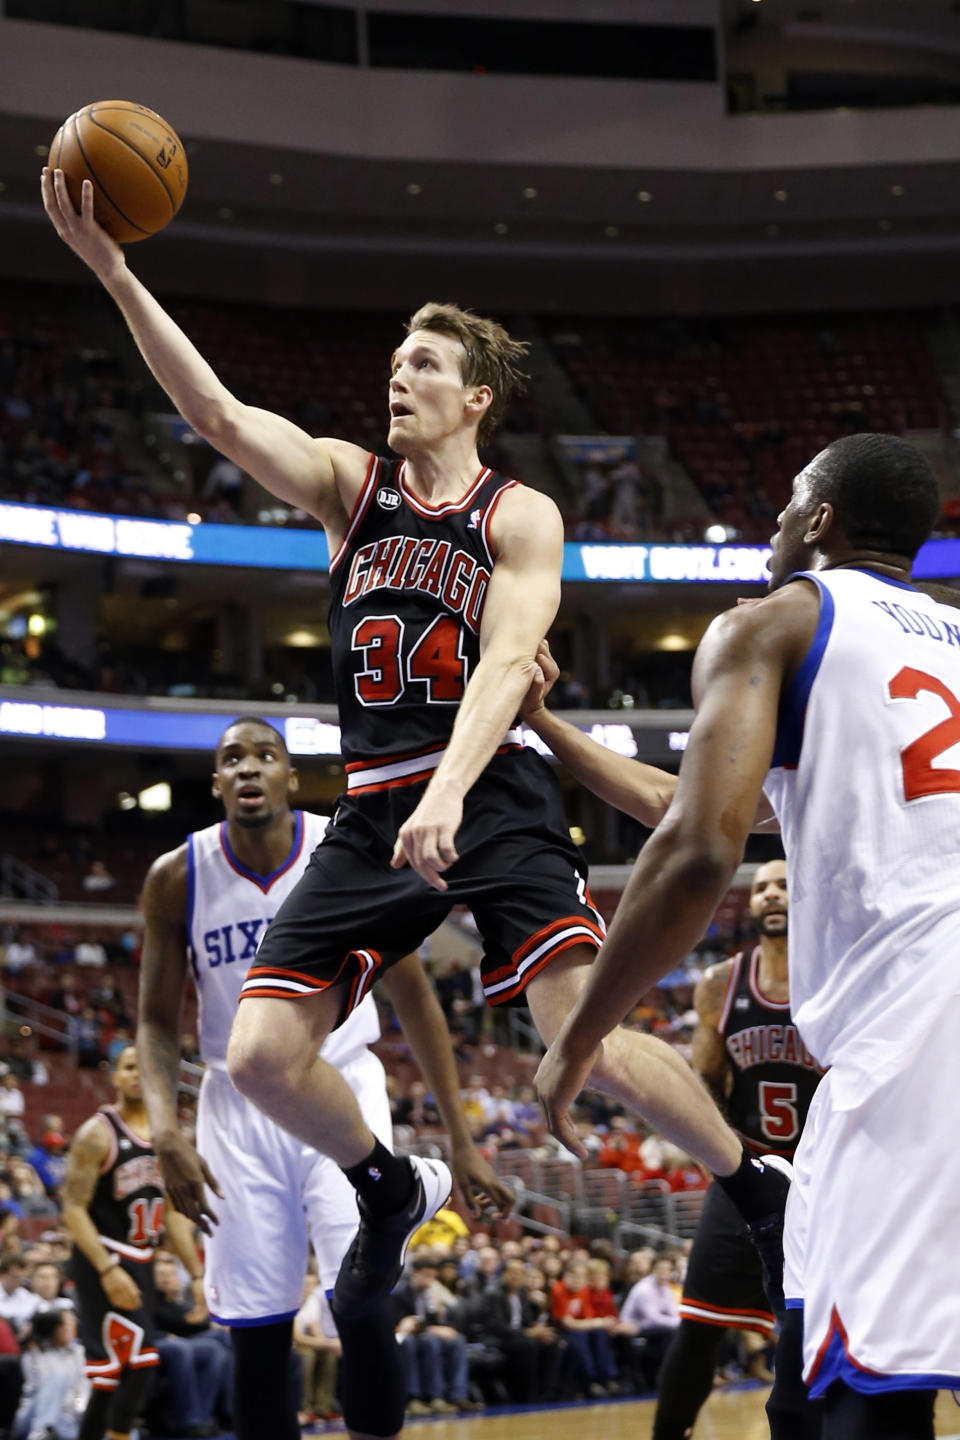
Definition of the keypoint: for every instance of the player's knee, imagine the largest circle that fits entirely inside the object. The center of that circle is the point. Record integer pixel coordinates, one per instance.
(258, 1064)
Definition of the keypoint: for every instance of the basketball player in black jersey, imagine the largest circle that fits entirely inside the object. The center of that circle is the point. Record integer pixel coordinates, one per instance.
(113, 1206)
(445, 578)
(749, 1054)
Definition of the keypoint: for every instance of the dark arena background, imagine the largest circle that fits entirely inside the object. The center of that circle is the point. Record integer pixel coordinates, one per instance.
(729, 231)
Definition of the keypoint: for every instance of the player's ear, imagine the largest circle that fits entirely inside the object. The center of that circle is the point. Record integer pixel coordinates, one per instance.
(822, 522)
(479, 400)
(215, 785)
(293, 781)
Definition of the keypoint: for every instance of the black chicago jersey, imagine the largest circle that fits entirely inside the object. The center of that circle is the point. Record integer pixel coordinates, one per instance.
(774, 1074)
(127, 1209)
(408, 586)
(127, 1205)
(774, 1078)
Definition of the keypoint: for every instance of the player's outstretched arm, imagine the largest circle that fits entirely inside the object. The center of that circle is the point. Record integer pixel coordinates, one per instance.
(641, 790)
(163, 978)
(423, 1023)
(283, 458)
(688, 863)
(89, 1148)
(522, 599)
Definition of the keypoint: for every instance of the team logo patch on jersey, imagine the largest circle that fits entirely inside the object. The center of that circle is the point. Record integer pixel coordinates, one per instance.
(475, 517)
(387, 498)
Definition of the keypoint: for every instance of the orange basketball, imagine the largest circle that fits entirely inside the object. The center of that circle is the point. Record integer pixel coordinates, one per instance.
(135, 161)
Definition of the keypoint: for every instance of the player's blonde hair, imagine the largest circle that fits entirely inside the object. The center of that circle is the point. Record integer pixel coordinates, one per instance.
(491, 356)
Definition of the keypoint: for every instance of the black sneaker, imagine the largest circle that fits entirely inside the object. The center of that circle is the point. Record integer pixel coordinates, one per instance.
(767, 1232)
(374, 1263)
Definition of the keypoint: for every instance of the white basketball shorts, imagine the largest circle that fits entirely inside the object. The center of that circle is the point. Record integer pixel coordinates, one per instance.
(275, 1190)
(872, 1241)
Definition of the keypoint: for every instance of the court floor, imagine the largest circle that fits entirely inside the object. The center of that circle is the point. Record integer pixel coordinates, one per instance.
(728, 1415)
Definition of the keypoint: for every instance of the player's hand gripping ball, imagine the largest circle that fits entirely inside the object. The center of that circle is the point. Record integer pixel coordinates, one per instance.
(134, 160)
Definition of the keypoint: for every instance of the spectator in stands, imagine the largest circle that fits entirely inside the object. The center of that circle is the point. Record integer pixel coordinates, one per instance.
(433, 1349)
(46, 1282)
(18, 1305)
(195, 1362)
(20, 953)
(119, 1041)
(505, 1316)
(440, 1232)
(11, 1096)
(48, 1158)
(314, 1335)
(89, 952)
(621, 1148)
(29, 1194)
(651, 1313)
(86, 1033)
(593, 1367)
(98, 878)
(20, 1058)
(68, 996)
(55, 1387)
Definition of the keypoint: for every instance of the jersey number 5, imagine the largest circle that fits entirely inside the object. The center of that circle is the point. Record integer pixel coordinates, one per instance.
(779, 1119)
(436, 661)
(920, 776)
(146, 1220)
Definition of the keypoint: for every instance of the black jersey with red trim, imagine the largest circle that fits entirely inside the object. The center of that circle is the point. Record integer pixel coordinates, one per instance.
(774, 1074)
(127, 1204)
(408, 586)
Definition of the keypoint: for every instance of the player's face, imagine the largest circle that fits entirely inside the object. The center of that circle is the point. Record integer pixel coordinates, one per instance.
(126, 1075)
(768, 898)
(253, 778)
(427, 397)
(790, 552)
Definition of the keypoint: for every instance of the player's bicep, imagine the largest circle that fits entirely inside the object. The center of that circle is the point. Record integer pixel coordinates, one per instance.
(286, 460)
(88, 1150)
(163, 961)
(737, 683)
(524, 591)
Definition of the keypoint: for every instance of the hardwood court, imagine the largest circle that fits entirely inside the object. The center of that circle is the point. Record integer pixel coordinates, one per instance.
(728, 1415)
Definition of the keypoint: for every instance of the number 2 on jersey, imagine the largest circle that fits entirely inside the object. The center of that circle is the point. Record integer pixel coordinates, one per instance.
(436, 661)
(920, 776)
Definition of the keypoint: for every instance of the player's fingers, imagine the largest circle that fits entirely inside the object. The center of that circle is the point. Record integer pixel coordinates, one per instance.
(446, 848)
(64, 203)
(399, 857)
(49, 197)
(210, 1179)
(86, 200)
(431, 875)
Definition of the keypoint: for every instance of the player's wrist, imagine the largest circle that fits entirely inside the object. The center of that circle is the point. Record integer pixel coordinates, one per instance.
(111, 1265)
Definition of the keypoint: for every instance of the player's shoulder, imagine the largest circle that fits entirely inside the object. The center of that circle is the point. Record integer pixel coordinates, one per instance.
(526, 515)
(711, 990)
(164, 893)
(92, 1138)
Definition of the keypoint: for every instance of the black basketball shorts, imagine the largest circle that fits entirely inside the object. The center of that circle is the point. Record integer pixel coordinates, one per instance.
(113, 1339)
(350, 916)
(724, 1284)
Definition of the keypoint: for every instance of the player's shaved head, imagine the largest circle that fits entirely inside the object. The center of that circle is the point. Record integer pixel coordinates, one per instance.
(252, 721)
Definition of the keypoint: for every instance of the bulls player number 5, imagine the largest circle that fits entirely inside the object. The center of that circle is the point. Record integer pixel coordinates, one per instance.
(779, 1118)
(435, 661)
(146, 1221)
(920, 776)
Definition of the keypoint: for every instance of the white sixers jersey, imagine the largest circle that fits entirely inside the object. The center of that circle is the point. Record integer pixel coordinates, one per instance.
(228, 909)
(866, 785)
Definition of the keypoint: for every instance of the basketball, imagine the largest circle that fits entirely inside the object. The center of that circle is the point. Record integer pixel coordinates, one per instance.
(135, 161)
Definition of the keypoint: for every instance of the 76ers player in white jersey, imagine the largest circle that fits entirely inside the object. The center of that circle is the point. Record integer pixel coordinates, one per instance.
(211, 900)
(840, 693)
